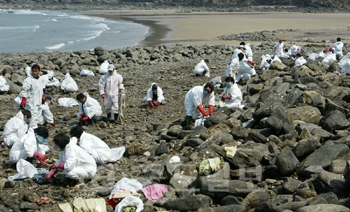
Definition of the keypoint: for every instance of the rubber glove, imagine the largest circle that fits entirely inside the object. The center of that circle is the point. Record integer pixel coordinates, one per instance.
(58, 166)
(158, 104)
(81, 116)
(43, 99)
(40, 157)
(201, 109)
(53, 124)
(151, 103)
(23, 102)
(50, 174)
(103, 97)
(226, 96)
(85, 118)
(211, 109)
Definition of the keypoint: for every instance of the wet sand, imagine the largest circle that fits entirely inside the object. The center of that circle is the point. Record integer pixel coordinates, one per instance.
(170, 27)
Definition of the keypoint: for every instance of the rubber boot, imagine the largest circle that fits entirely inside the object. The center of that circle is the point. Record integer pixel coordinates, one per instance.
(108, 117)
(188, 121)
(116, 115)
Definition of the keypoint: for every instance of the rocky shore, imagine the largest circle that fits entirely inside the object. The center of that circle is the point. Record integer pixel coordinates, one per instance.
(292, 136)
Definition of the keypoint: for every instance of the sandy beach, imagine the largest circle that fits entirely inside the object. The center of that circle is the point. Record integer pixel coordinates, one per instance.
(200, 28)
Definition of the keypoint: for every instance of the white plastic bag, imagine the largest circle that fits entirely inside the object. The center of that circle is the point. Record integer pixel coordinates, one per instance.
(117, 153)
(216, 80)
(85, 72)
(68, 84)
(24, 169)
(67, 102)
(199, 122)
(104, 67)
(130, 201)
(126, 184)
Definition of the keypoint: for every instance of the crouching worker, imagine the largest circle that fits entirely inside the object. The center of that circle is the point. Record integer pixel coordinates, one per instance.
(194, 101)
(31, 145)
(75, 161)
(16, 127)
(154, 96)
(89, 108)
(232, 95)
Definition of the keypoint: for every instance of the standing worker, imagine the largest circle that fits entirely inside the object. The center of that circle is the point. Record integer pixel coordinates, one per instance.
(279, 48)
(110, 85)
(338, 49)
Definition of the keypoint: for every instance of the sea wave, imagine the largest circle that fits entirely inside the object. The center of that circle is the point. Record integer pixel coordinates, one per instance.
(35, 27)
(55, 47)
(27, 12)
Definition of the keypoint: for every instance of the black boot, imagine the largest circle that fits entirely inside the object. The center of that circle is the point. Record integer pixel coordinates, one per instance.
(188, 121)
(108, 117)
(116, 116)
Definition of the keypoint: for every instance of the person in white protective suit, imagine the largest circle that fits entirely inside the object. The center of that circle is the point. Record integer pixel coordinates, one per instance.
(16, 127)
(68, 84)
(46, 116)
(300, 60)
(265, 62)
(50, 82)
(202, 68)
(338, 48)
(74, 160)
(103, 67)
(32, 96)
(93, 145)
(232, 67)
(232, 95)
(330, 57)
(154, 95)
(248, 51)
(315, 56)
(294, 50)
(195, 99)
(245, 69)
(279, 48)
(240, 49)
(89, 109)
(110, 85)
(4, 85)
(31, 145)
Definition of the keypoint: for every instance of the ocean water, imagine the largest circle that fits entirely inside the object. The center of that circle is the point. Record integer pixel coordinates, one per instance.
(25, 31)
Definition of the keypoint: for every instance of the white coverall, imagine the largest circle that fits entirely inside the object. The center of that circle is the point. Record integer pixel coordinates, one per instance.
(90, 108)
(32, 89)
(14, 129)
(47, 116)
(300, 61)
(78, 164)
(329, 58)
(97, 148)
(25, 147)
(4, 85)
(149, 95)
(194, 98)
(245, 71)
(314, 56)
(110, 85)
(264, 65)
(293, 50)
(200, 68)
(103, 67)
(279, 49)
(338, 48)
(345, 66)
(236, 96)
(248, 52)
(50, 80)
(68, 84)
(232, 67)
(236, 52)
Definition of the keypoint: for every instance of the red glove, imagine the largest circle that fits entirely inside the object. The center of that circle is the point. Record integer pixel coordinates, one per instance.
(50, 174)
(211, 109)
(85, 118)
(23, 102)
(103, 97)
(81, 116)
(40, 157)
(158, 104)
(251, 62)
(53, 124)
(151, 103)
(226, 96)
(43, 99)
(58, 166)
(201, 109)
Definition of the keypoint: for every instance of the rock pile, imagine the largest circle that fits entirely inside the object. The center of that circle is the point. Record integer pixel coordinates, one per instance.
(291, 138)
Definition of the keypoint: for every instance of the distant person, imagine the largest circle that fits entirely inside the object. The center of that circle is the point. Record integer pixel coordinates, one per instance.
(330, 57)
(294, 50)
(51, 83)
(154, 95)
(338, 49)
(196, 99)
(299, 60)
(110, 86)
(238, 50)
(245, 70)
(320, 55)
(89, 109)
(4, 85)
(31, 145)
(279, 48)
(202, 68)
(232, 67)
(232, 95)
(265, 62)
(248, 51)
(16, 127)
(47, 116)
(32, 95)
(74, 160)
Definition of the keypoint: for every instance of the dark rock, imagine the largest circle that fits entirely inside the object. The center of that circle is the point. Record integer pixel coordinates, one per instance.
(334, 120)
(287, 162)
(190, 203)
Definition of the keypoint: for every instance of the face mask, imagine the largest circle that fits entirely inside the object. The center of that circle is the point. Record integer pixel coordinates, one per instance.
(205, 93)
(228, 84)
(41, 139)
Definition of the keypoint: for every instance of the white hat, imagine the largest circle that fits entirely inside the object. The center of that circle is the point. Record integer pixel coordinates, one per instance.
(242, 46)
(110, 67)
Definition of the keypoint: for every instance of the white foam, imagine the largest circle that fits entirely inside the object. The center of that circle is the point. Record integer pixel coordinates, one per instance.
(35, 27)
(54, 19)
(57, 46)
(27, 12)
(70, 42)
